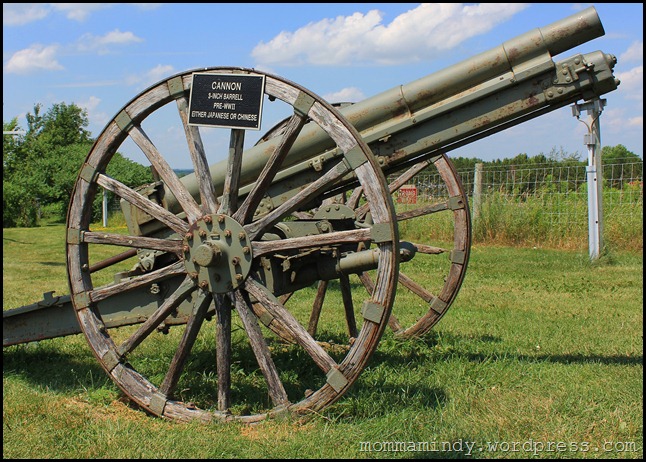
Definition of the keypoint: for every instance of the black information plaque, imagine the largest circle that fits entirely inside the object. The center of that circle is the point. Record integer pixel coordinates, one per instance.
(226, 100)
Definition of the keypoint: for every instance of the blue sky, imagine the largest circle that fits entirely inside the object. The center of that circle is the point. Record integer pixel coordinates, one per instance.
(101, 55)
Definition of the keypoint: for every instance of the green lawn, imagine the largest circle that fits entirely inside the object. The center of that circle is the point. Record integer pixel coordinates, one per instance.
(540, 356)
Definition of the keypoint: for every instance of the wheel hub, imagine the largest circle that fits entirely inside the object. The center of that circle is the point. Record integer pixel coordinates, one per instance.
(217, 253)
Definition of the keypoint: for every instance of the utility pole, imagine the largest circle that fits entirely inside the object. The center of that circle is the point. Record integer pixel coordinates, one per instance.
(594, 171)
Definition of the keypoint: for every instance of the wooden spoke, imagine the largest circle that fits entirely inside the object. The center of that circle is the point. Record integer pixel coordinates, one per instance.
(310, 191)
(169, 305)
(346, 294)
(416, 288)
(198, 156)
(164, 245)
(143, 203)
(317, 307)
(223, 350)
(138, 282)
(392, 187)
(335, 238)
(232, 180)
(186, 343)
(164, 170)
(293, 128)
(318, 354)
(429, 249)
(261, 351)
(421, 211)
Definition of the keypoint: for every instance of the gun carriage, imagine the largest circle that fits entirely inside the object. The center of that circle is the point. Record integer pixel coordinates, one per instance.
(304, 214)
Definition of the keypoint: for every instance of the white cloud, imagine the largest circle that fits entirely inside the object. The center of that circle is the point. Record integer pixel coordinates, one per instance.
(151, 77)
(89, 42)
(18, 14)
(79, 11)
(634, 53)
(363, 38)
(345, 95)
(37, 57)
(632, 83)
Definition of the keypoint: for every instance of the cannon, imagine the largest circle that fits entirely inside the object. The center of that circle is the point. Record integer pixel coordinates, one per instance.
(256, 245)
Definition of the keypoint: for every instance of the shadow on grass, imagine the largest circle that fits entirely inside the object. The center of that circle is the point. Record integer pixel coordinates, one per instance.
(380, 388)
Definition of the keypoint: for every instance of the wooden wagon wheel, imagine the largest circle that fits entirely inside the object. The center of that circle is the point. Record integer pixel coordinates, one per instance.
(214, 252)
(439, 270)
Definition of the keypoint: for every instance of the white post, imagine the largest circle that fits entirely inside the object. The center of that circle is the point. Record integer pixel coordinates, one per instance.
(477, 191)
(594, 173)
(105, 208)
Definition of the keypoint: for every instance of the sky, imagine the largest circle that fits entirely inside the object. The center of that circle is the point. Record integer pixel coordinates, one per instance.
(100, 56)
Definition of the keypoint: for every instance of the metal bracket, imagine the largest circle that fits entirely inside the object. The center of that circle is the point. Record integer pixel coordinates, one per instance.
(336, 379)
(74, 236)
(381, 232)
(176, 86)
(355, 157)
(158, 403)
(372, 311)
(438, 305)
(123, 121)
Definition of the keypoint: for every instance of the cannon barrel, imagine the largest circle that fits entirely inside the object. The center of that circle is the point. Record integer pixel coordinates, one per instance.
(509, 84)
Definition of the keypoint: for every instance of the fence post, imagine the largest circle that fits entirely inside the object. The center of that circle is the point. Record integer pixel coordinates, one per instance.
(592, 140)
(477, 191)
(105, 208)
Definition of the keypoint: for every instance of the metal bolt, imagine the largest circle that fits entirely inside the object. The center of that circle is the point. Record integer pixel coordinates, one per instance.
(242, 236)
(227, 232)
(246, 250)
(235, 261)
(202, 233)
(186, 248)
(204, 284)
(220, 218)
(239, 277)
(207, 219)
(189, 236)
(193, 275)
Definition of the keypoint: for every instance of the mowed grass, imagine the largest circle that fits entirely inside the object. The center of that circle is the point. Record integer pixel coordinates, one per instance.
(541, 356)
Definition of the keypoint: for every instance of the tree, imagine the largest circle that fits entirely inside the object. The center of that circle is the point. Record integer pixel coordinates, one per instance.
(41, 167)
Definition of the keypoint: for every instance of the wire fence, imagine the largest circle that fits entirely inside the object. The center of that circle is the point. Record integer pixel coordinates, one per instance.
(551, 199)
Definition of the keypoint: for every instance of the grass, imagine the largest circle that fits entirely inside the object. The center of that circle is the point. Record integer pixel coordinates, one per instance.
(540, 356)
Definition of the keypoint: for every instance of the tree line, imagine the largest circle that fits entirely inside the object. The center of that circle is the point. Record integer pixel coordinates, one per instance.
(40, 165)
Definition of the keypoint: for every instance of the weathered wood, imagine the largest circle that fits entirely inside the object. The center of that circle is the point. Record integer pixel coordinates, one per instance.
(315, 315)
(261, 351)
(223, 350)
(318, 354)
(137, 282)
(169, 305)
(292, 129)
(303, 196)
(143, 203)
(165, 245)
(193, 326)
(335, 238)
(169, 176)
(208, 197)
(348, 306)
(232, 180)
(422, 211)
